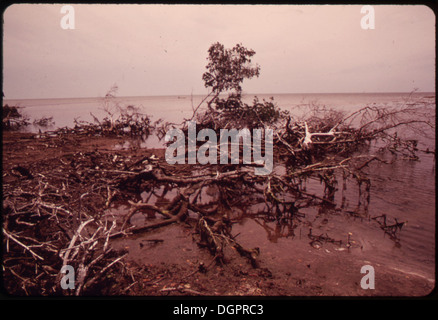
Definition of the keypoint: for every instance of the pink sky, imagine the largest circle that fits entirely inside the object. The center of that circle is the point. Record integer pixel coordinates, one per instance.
(162, 49)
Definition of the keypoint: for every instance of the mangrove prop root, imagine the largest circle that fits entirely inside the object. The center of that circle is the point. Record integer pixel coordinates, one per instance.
(56, 210)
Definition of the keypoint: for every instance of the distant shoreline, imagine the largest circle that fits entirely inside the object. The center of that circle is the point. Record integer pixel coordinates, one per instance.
(430, 94)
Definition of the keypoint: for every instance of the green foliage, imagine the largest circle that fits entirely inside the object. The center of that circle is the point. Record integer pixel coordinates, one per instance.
(10, 112)
(227, 68)
(12, 119)
(266, 112)
(257, 114)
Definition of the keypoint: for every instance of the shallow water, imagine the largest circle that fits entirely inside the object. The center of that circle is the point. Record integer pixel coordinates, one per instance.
(404, 190)
(177, 108)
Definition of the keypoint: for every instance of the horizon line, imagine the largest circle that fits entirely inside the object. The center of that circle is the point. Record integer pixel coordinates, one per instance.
(243, 94)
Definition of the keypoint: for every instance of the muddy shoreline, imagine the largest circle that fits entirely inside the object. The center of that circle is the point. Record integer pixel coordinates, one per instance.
(168, 261)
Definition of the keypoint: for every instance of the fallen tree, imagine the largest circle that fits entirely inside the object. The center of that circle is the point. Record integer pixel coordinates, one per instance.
(55, 210)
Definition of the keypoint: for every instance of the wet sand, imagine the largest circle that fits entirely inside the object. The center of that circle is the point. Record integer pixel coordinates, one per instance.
(168, 261)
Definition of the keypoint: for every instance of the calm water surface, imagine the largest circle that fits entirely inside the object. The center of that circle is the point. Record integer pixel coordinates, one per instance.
(404, 190)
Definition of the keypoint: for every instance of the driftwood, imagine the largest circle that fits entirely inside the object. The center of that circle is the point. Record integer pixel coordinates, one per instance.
(390, 229)
(178, 217)
(56, 210)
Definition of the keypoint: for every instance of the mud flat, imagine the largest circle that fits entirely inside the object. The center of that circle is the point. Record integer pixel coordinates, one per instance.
(79, 200)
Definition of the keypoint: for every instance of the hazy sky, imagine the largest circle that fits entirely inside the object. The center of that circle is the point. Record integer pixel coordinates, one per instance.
(162, 49)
